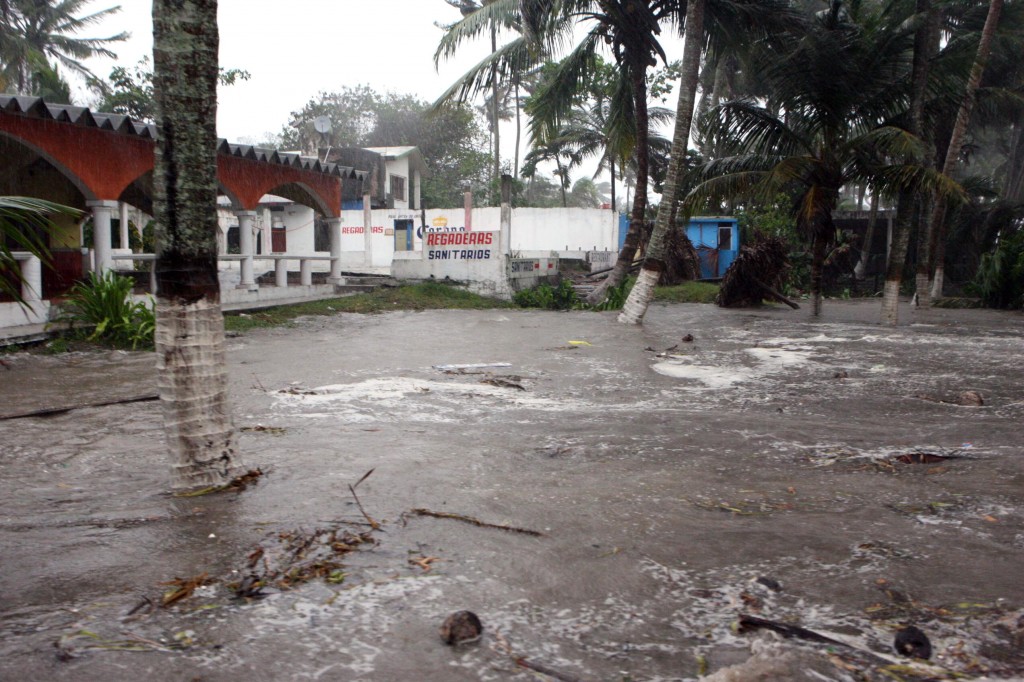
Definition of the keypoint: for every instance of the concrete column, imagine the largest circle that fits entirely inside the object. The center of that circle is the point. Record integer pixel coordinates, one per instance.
(281, 272)
(31, 280)
(505, 239)
(367, 232)
(467, 202)
(245, 245)
(305, 272)
(123, 226)
(102, 212)
(334, 227)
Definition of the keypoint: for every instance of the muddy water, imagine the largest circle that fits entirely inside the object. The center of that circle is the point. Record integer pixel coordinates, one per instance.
(666, 484)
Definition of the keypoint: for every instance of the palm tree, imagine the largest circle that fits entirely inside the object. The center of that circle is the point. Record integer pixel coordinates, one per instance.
(654, 260)
(500, 74)
(838, 82)
(37, 38)
(190, 326)
(757, 22)
(630, 29)
(936, 226)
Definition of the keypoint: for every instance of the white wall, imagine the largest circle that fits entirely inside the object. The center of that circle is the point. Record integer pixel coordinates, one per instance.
(564, 229)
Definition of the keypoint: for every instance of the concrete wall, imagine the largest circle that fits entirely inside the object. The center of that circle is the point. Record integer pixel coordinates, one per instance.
(472, 258)
(564, 229)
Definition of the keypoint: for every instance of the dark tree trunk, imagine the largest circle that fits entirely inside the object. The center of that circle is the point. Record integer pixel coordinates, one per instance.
(654, 263)
(624, 262)
(190, 328)
(937, 224)
(923, 39)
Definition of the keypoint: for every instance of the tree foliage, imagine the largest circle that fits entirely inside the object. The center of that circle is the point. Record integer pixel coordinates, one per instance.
(38, 39)
(450, 137)
(129, 91)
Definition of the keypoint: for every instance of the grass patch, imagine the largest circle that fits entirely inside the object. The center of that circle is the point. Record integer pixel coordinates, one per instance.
(687, 292)
(425, 296)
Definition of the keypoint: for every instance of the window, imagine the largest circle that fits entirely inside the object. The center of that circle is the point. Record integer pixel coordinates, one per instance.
(398, 187)
(725, 236)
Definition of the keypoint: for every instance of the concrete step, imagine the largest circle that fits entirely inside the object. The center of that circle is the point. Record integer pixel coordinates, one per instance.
(349, 289)
(372, 280)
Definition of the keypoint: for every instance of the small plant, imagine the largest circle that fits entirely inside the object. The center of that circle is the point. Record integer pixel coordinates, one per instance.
(562, 297)
(104, 301)
(615, 297)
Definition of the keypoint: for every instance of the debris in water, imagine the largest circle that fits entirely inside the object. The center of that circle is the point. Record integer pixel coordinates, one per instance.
(424, 562)
(748, 623)
(183, 587)
(841, 374)
(260, 428)
(545, 670)
(688, 338)
(771, 583)
(580, 343)
(237, 484)
(51, 411)
(910, 641)
(965, 399)
(502, 383)
(924, 457)
(476, 522)
(476, 365)
(352, 489)
(462, 627)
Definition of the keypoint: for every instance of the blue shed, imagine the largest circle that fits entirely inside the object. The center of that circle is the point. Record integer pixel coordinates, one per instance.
(717, 240)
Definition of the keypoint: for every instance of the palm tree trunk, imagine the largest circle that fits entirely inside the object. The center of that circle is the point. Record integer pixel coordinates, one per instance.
(519, 131)
(624, 262)
(818, 246)
(611, 168)
(923, 39)
(937, 225)
(190, 328)
(654, 263)
(1013, 189)
(561, 181)
(869, 237)
(897, 258)
(497, 107)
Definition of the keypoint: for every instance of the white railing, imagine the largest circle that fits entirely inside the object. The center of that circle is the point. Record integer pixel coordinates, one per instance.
(280, 265)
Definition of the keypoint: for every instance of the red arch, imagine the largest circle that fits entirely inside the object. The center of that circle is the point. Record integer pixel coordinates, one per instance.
(103, 163)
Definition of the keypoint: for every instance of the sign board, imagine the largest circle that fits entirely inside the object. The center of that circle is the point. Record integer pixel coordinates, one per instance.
(462, 245)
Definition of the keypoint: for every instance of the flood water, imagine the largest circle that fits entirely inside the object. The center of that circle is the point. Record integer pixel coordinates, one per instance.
(750, 471)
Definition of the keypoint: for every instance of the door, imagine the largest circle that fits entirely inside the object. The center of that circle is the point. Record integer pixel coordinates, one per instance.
(403, 235)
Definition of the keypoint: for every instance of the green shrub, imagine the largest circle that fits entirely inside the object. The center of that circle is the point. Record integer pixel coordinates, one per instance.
(615, 297)
(562, 297)
(104, 301)
(1000, 278)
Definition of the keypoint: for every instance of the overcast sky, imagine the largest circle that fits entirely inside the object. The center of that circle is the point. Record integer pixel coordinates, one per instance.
(294, 49)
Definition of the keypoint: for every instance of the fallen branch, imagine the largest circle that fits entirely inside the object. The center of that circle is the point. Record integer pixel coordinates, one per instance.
(748, 623)
(477, 522)
(51, 411)
(776, 294)
(544, 670)
(352, 489)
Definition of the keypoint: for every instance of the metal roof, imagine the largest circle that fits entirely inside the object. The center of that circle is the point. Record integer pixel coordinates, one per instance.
(36, 107)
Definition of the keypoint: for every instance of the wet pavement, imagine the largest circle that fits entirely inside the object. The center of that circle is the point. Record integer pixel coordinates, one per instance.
(750, 471)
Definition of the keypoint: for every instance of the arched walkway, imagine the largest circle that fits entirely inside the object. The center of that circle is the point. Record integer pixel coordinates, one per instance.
(109, 159)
